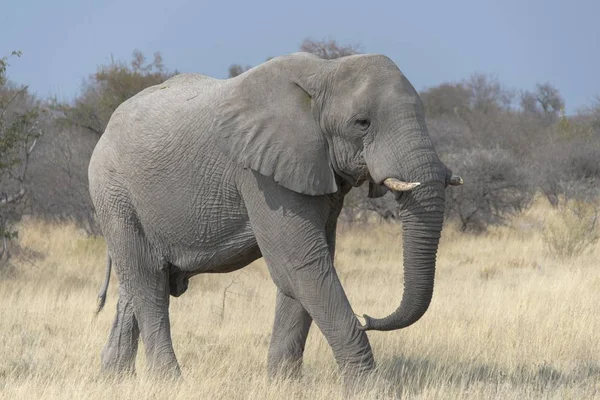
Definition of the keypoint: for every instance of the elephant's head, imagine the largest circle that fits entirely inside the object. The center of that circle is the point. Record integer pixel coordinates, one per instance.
(303, 120)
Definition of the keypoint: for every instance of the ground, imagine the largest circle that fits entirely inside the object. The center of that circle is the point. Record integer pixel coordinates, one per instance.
(508, 320)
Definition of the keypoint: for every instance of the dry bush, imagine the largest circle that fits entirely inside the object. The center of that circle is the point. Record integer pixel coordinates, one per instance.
(574, 231)
(497, 187)
(568, 169)
(59, 181)
(21, 118)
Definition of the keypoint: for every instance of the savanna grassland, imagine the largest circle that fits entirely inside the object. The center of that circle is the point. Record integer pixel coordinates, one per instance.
(508, 320)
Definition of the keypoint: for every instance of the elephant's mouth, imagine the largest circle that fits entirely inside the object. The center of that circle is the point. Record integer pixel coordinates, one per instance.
(359, 178)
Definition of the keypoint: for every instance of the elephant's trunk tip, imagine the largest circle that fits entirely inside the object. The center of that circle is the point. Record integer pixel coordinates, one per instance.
(366, 325)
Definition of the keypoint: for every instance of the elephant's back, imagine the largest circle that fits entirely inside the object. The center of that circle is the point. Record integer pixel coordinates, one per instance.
(174, 112)
(177, 95)
(154, 129)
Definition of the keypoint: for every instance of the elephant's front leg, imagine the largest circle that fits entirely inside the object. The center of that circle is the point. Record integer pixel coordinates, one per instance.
(291, 231)
(290, 330)
(292, 321)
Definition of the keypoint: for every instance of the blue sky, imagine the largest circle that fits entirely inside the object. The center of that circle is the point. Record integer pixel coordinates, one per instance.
(521, 42)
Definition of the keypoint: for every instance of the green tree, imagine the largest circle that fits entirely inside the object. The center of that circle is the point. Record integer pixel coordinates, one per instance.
(19, 132)
(110, 86)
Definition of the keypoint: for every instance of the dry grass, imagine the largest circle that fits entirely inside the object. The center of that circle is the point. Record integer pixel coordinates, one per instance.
(507, 321)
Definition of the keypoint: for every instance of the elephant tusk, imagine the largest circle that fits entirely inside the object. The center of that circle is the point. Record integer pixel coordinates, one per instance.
(400, 186)
(455, 180)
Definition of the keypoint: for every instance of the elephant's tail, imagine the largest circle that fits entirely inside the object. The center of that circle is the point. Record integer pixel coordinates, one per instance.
(104, 289)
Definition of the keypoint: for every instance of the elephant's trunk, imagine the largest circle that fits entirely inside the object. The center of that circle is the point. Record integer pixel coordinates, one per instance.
(421, 226)
(422, 217)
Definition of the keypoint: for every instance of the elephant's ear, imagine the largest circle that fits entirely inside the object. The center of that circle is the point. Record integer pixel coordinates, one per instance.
(267, 123)
(376, 191)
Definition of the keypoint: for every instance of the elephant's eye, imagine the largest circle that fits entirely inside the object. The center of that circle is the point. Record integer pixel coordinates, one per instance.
(363, 123)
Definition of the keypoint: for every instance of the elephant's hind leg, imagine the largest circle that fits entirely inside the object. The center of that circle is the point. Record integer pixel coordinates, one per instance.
(151, 308)
(143, 299)
(119, 353)
(290, 331)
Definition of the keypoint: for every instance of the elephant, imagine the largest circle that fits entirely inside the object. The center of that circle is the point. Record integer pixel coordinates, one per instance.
(203, 175)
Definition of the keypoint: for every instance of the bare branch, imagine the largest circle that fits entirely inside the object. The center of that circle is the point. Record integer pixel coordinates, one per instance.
(14, 96)
(13, 198)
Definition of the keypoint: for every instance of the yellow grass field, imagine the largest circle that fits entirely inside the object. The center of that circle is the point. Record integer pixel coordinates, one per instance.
(508, 321)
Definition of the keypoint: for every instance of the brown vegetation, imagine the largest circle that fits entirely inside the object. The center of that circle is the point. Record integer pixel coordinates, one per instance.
(508, 320)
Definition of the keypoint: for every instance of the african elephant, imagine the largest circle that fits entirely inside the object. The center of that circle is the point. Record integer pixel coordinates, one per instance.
(201, 175)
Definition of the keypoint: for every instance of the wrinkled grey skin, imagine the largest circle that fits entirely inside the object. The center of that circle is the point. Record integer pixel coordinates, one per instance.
(200, 175)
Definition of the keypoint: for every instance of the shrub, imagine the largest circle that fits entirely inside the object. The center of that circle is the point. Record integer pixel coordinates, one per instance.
(20, 115)
(574, 231)
(498, 186)
(568, 169)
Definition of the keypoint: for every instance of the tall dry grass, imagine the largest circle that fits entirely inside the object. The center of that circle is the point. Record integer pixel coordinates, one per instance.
(508, 320)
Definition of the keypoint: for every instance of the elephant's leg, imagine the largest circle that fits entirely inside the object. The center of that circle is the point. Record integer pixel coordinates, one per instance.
(144, 290)
(320, 292)
(119, 353)
(290, 229)
(292, 321)
(290, 330)
(151, 308)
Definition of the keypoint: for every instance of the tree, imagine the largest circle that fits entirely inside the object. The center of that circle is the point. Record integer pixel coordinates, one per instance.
(236, 70)
(591, 115)
(445, 99)
(328, 49)
(487, 95)
(529, 103)
(58, 176)
(110, 86)
(19, 131)
(549, 99)
(545, 102)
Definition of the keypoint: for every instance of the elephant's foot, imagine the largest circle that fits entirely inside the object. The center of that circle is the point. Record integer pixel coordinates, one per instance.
(114, 365)
(116, 373)
(285, 368)
(167, 369)
(358, 381)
